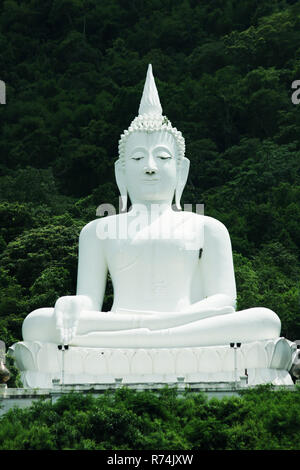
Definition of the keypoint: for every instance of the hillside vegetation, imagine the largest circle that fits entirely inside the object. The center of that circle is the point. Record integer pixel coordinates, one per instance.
(259, 419)
(74, 72)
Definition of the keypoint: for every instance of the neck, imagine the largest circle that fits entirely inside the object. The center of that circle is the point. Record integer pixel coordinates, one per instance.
(154, 207)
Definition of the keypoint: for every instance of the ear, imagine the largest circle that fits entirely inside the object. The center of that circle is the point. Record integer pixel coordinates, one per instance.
(181, 180)
(120, 179)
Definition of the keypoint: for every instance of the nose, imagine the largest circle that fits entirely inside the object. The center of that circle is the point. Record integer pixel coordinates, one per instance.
(150, 171)
(150, 168)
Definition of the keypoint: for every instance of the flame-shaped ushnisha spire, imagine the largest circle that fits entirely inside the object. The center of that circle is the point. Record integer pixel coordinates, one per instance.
(150, 119)
(150, 103)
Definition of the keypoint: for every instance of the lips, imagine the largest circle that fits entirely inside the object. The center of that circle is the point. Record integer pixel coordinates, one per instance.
(154, 180)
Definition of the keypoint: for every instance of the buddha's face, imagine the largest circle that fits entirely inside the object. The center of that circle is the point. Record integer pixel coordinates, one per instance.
(150, 166)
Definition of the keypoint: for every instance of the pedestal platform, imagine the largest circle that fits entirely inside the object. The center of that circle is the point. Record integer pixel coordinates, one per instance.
(42, 364)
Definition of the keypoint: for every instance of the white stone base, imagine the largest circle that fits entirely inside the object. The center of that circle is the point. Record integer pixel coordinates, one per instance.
(264, 361)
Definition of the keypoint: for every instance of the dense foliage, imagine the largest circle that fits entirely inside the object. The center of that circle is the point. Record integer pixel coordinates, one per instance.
(260, 419)
(74, 72)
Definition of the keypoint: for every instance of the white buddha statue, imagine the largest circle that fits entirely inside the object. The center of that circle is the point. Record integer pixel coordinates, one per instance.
(165, 295)
(172, 270)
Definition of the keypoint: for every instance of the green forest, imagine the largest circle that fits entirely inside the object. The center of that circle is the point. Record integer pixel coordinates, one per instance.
(259, 419)
(74, 72)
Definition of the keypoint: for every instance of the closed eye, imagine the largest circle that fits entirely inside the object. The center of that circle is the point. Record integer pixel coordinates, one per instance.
(137, 158)
(164, 157)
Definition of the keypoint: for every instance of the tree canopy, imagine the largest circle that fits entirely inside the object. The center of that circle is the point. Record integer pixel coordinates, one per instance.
(74, 73)
(124, 419)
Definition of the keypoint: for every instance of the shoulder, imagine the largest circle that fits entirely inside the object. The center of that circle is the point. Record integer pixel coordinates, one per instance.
(210, 224)
(92, 228)
(214, 225)
(186, 216)
(215, 233)
(205, 220)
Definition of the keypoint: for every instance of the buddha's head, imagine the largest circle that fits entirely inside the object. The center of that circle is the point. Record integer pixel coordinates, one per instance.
(151, 164)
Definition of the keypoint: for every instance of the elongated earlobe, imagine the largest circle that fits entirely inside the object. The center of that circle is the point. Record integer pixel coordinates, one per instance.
(120, 179)
(181, 180)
